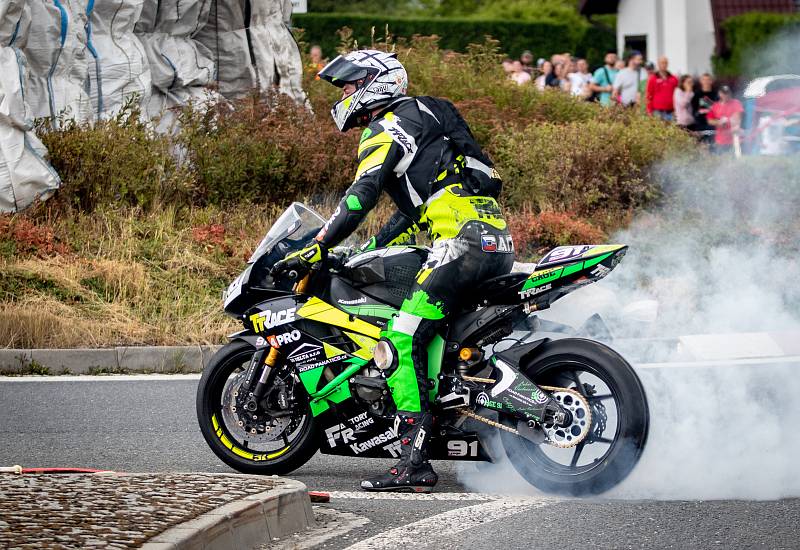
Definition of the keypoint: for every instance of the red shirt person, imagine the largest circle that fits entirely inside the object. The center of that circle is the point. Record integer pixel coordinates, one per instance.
(660, 90)
(726, 116)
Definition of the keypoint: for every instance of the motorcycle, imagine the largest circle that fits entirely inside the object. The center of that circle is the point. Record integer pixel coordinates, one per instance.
(571, 413)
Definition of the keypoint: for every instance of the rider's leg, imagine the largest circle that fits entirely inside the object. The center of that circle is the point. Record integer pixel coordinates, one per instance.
(409, 334)
(453, 267)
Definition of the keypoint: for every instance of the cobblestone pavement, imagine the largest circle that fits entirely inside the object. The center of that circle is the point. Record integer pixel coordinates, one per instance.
(109, 510)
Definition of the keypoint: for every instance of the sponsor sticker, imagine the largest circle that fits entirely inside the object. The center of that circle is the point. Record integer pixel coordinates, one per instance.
(564, 253)
(270, 319)
(312, 366)
(534, 291)
(600, 271)
(305, 352)
(361, 300)
(278, 340)
(484, 401)
(401, 138)
(385, 437)
(346, 432)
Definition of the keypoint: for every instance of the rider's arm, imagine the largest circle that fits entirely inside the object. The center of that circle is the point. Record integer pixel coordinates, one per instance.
(400, 229)
(378, 154)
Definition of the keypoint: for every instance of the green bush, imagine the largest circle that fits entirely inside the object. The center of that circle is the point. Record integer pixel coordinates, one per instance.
(266, 150)
(555, 153)
(121, 160)
(747, 35)
(544, 38)
(594, 168)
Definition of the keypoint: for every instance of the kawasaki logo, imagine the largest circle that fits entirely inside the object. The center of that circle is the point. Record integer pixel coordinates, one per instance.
(352, 302)
(385, 437)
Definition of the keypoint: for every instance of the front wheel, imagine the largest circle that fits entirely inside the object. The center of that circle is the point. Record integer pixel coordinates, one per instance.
(619, 424)
(250, 442)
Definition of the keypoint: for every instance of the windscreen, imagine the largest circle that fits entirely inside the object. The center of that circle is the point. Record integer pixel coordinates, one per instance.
(295, 227)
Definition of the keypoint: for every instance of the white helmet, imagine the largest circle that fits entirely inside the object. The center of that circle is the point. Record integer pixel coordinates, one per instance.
(379, 77)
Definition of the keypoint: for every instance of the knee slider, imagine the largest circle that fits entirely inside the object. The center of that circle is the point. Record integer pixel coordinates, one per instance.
(385, 355)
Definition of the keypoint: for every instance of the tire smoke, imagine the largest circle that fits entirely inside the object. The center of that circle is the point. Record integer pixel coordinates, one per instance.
(719, 256)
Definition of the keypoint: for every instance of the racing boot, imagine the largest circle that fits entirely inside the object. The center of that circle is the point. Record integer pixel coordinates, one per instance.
(413, 473)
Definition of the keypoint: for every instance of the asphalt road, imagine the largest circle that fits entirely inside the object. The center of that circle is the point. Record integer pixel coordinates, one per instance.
(144, 425)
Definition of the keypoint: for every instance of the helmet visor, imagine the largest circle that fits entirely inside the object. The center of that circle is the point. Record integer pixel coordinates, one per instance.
(340, 71)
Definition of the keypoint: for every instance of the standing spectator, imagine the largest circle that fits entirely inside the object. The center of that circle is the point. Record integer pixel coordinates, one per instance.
(682, 100)
(626, 84)
(518, 75)
(557, 77)
(660, 91)
(619, 65)
(315, 60)
(704, 97)
(603, 79)
(547, 72)
(527, 61)
(580, 79)
(726, 117)
(649, 69)
(508, 66)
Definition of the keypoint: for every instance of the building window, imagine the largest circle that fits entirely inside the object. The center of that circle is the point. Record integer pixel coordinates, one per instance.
(636, 42)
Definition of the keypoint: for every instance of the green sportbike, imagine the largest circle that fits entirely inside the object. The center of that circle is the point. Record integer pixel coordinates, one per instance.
(570, 412)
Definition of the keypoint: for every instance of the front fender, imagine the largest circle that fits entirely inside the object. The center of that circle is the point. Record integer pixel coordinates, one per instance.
(250, 337)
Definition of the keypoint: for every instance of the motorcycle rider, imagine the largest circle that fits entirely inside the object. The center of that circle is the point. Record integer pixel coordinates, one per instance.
(422, 153)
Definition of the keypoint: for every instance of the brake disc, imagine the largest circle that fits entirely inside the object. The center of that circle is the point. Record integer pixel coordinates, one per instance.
(565, 437)
(255, 427)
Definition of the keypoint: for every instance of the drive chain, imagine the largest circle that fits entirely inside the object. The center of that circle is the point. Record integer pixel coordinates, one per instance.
(498, 425)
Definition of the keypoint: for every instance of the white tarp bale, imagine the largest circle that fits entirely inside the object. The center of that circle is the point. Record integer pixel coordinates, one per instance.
(56, 54)
(277, 56)
(118, 66)
(225, 36)
(24, 174)
(180, 66)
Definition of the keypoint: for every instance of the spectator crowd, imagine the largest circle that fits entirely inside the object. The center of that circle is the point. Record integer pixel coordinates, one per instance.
(697, 105)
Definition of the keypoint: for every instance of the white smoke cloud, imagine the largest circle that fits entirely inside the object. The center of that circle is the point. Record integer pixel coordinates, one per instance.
(721, 255)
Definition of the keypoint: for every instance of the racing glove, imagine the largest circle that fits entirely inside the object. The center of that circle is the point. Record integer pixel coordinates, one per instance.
(301, 261)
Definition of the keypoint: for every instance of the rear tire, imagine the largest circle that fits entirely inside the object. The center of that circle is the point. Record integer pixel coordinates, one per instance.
(554, 365)
(209, 404)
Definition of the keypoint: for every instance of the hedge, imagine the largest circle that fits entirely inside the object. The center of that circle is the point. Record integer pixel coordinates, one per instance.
(749, 38)
(542, 38)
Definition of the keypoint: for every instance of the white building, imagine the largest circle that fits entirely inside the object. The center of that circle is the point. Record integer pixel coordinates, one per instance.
(686, 31)
(683, 30)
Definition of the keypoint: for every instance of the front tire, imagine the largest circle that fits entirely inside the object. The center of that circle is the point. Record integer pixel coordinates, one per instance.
(232, 444)
(606, 379)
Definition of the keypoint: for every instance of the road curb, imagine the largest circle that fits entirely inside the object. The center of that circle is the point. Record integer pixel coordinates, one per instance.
(243, 524)
(122, 359)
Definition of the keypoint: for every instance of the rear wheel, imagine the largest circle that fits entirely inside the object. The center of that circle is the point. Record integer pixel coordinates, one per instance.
(258, 443)
(619, 420)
